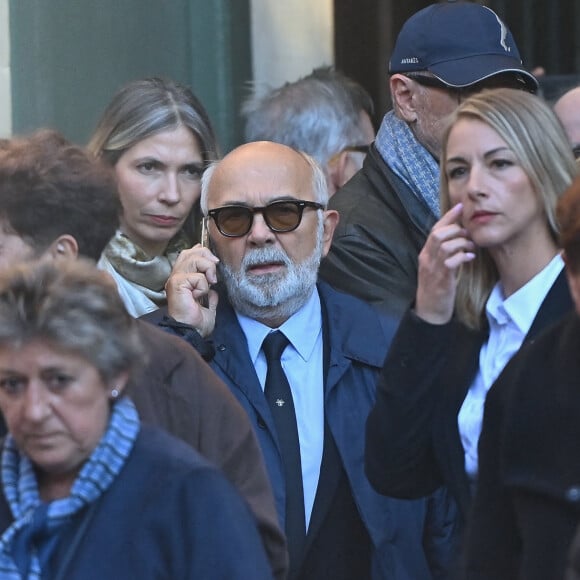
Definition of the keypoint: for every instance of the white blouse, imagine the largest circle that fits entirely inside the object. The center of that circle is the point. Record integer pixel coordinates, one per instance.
(509, 322)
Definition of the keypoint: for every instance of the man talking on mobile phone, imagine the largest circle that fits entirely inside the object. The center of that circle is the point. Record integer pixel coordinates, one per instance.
(303, 360)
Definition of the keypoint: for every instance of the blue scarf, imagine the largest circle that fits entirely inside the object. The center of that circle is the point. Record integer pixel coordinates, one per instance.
(26, 545)
(409, 160)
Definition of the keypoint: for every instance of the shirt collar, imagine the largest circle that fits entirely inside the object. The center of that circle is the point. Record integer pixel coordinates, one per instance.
(302, 329)
(522, 306)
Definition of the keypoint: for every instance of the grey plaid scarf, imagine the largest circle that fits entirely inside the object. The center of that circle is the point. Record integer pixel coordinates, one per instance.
(409, 160)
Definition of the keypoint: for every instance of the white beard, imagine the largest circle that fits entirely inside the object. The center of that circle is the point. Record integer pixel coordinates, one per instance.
(277, 295)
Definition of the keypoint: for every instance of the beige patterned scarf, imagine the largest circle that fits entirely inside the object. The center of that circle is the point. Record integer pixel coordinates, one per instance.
(148, 272)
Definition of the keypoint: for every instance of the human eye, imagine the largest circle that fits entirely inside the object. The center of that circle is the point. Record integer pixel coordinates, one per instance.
(502, 163)
(57, 381)
(284, 208)
(456, 172)
(193, 171)
(12, 384)
(284, 215)
(148, 166)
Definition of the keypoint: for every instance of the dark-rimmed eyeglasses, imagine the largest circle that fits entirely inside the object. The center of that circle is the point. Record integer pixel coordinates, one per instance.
(235, 221)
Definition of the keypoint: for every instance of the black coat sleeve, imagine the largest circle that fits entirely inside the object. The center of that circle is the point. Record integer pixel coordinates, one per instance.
(400, 458)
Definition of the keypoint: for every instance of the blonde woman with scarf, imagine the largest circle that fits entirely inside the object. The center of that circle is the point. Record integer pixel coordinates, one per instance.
(158, 138)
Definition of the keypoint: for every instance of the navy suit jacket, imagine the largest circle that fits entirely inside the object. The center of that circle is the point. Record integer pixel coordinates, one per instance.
(411, 539)
(168, 515)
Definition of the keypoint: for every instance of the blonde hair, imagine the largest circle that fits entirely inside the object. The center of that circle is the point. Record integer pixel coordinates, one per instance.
(145, 107)
(532, 131)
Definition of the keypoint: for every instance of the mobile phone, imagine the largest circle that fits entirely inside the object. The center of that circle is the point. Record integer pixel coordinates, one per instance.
(204, 240)
(204, 234)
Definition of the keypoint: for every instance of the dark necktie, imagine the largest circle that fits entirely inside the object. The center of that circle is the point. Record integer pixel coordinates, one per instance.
(279, 397)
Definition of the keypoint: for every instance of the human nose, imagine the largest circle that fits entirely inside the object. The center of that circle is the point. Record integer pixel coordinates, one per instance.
(476, 183)
(36, 403)
(259, 232)
(170, 192)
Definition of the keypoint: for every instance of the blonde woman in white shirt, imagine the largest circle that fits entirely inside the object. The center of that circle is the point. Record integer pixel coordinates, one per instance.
(490, 277)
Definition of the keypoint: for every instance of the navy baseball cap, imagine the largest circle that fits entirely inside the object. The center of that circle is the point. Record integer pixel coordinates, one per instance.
(461, 43)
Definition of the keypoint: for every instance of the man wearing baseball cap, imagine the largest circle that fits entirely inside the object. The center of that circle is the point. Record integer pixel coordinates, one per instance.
(443, 53)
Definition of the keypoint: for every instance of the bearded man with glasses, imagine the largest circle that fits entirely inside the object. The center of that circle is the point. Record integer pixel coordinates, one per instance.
(265, 208)
(443, 53)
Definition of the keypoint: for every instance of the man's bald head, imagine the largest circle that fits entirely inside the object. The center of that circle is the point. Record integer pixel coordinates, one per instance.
(268, 226)
(567, 108)
(283, 162)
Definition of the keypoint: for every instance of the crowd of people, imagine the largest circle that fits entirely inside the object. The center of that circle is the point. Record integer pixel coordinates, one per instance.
(326, 354)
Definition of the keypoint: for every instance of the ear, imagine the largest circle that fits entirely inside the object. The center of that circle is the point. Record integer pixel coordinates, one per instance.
(335, 170)
(331, 219)
(64, 247)
(403, 94)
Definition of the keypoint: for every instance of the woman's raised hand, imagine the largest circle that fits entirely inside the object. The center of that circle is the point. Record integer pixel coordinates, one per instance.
(447, 247)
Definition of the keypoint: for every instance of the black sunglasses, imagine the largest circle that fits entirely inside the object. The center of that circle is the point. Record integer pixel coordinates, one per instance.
(235, 221)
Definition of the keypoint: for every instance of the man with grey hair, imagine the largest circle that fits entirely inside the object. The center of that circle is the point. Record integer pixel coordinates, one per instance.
(325, 114)
(265, 206)
(442, 54)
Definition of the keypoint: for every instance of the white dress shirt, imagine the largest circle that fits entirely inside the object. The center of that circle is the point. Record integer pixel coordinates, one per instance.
(509, 320)
(302, 361)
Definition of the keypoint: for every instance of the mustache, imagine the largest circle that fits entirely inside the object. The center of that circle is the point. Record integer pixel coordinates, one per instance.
(260, 256)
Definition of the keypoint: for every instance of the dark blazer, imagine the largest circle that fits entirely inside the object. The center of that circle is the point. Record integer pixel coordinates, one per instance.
(410, 540)
(527, 506)
(168, 515)
(413, 442)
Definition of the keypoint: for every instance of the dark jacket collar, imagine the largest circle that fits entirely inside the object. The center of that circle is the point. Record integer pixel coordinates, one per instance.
(353, 327)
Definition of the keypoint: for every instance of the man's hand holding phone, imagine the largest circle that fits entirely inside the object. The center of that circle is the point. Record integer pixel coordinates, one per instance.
(189, 283)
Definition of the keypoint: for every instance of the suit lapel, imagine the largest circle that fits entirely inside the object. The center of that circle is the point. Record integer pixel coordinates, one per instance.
(233, 358)
(557, 303)
(345, 336)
